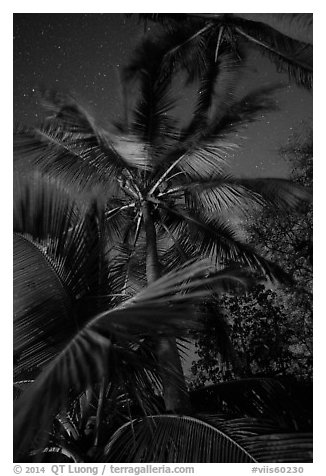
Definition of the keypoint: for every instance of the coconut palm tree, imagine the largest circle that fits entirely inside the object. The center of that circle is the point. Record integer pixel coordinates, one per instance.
(285, 38)
(167, 197)
(72, 341)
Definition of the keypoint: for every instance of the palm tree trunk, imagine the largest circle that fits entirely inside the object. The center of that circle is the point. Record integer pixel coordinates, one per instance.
(176, 397)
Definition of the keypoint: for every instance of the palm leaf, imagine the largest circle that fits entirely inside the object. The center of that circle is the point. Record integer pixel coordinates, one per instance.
(66, 156)
(201, 160)
(206, 439)
(215, 95)
(152, 124)
(173, 439)
(186, 50)
(216, 238)
(70, 144)
(285, 38)
(297, 26)
(227, 193)
(58, 260)
(175, 48)
(127, 271)
(243, 111)
(265, 441)
(38, 291)
(289, 55)
(281, 448)
(203, 152)
(278, 192)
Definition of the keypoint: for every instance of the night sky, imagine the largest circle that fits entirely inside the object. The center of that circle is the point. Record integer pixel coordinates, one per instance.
(84, 53)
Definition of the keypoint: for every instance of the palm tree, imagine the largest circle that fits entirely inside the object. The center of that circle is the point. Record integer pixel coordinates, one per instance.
(71, 339)
(285, 38)
(167, 197)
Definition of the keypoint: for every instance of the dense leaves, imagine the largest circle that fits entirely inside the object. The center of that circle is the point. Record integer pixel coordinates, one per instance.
(270, 328)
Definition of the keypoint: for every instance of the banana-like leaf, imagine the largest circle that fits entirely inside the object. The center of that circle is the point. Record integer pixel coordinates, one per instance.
(162, 309)
(38, 292)
(59, 268)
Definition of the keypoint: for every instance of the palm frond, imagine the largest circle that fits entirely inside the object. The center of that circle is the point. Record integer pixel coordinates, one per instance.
(152, 122)
(215, 95)
(134, 151)
(288, 55)
(38, 291)
(186, 49)
(227, 193)
(204, 153)
(286, 38)
(177, 48)
(216, 238)
(173, 439)
(297, 26)
(243, 111)
(265, 441)
(70, 144)
(202, 159)
(65, 112)
(281, 448)
(282, 193)
(127, 271)
(59, 261)
(68, 157)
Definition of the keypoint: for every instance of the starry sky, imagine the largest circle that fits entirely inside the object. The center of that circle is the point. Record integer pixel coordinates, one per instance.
(84, 54)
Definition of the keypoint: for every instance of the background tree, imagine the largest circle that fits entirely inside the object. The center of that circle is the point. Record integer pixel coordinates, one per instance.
(270, 328)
